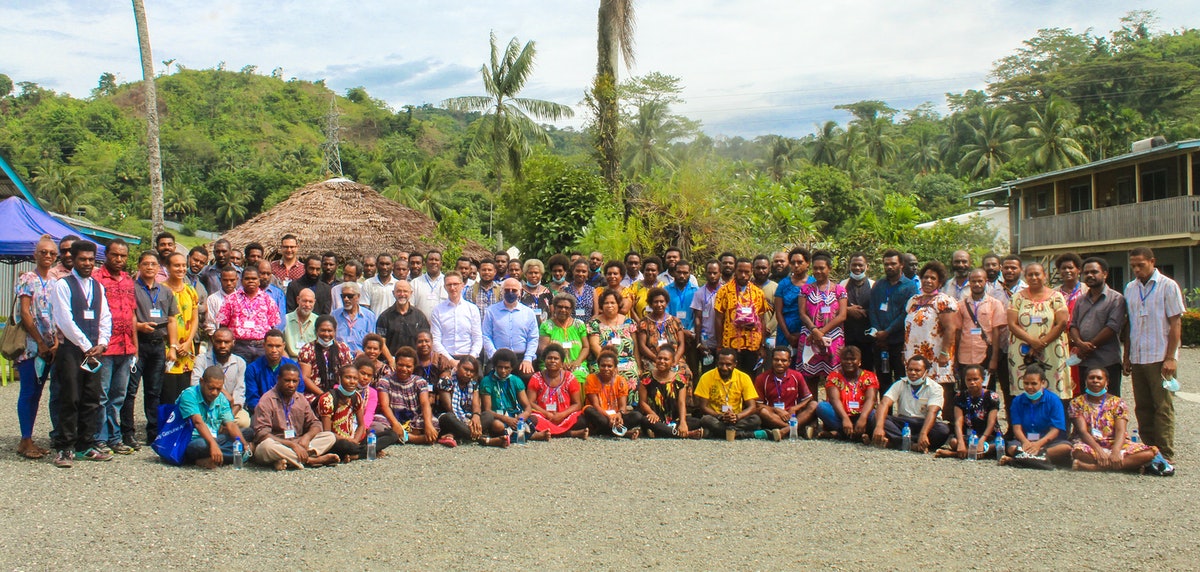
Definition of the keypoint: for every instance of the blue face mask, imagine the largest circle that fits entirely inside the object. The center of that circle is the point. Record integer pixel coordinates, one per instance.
(511, 297)
(325, 343)
(1096, 393)
(532, 284)
(345, 391)
(858, 276)
(1034, 396)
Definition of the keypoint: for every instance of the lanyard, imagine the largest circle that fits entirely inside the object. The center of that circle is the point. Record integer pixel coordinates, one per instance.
(708, 299)
(554, 392)
(157, 291)
(87, 292)
(779, 386)
(287, 412)
(1143, 294)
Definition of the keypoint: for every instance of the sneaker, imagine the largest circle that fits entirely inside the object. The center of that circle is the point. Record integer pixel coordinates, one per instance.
(103, 448)
(448, 440)
(121, 448)
(131, 442)
(64, 459)
(94, 454)
(1160, 467)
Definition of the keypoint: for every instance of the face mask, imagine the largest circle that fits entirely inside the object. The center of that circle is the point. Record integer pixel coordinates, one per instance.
(857, 276)
(345, 391)
(917, 382)
(1171, 385)
(324, 342)
(532, 284)
(511, 297)
(559, 280)
(1096, 393)
(1034, 396)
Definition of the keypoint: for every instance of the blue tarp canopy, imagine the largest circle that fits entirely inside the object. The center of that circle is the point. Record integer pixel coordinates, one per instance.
(21, 225)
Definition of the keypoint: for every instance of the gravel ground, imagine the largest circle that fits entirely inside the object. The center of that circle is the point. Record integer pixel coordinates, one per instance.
(601, 504)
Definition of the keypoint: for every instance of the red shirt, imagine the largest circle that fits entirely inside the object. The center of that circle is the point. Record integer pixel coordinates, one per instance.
(118, 290)
(852, 392)
(287, 274)
(789, 390)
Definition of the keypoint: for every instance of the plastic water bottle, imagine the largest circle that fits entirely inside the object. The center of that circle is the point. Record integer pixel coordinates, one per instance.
(371, 440)
(973, 447)
(793, 430)
(239, 451)
(906, 438)
(1135, 438)
(999, 445)
(885, 363)
(521, 430)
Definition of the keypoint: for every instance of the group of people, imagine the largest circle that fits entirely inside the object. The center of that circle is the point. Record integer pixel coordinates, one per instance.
(307, 367)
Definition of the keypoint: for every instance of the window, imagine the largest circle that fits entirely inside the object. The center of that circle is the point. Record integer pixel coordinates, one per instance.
(1043, 201)
(1154, 185)
(1116, 278)
(1125, 191)
(1081, 198)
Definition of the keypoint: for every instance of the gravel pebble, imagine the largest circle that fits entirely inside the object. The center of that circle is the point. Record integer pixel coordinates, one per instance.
(600, 504)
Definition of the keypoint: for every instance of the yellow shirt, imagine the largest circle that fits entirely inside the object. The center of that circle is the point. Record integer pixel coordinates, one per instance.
(636, 293)
(734, 393)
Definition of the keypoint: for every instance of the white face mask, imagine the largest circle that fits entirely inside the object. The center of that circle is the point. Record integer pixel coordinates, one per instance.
(858, 276)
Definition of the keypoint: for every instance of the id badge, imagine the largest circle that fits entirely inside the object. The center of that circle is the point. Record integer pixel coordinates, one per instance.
(853, 404)
(1033, 436)
(89, 314)
(537, 312)
(778, 405)
(249, 324)
(1035, 319)
(610, 412)
(568, 345)
(883, 307)
(1096, 434)
(826, 310)
(156, 313)
(552, 407)
(289, 433)
(663, 341)
(976, 331)
(726, 409)
(682, 314)
(580, 312)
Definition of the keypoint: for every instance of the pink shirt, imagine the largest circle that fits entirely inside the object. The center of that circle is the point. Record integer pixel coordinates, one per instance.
(249, 318)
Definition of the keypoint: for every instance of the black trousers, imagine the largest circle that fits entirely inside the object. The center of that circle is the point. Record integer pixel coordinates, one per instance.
(661, 429)
(895, 360)
(450, 423)
(714, 427)
(383, 440)
(174, 384)
(747, 360)
(893, 425)
(78, 400)
(152, 358)
(598, 421)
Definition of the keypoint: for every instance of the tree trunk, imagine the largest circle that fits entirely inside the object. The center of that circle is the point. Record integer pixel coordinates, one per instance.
(605, 94)
(156, 183)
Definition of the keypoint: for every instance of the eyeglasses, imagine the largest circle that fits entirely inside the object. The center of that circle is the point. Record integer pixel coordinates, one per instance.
(347, 295)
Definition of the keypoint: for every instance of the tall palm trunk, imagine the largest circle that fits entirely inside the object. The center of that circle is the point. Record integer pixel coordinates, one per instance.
(156, 183)
(614, 31)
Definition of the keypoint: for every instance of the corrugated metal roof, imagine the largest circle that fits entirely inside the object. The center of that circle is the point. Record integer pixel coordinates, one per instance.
(1094, 165)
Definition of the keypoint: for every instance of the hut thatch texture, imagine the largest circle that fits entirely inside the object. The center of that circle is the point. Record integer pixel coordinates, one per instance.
(344, 217)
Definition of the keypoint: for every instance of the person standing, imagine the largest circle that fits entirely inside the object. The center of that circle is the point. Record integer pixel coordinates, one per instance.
(858, 299)
(761, 276)
(681, 291)
(354, 321)
(158, 334)
(485, 291)
(741, 309)
(1152, 348)
(1069, 265)
(35, 295)
(887, 313)
(212, 305)
(311, 280)
(65, 262)
(634, 304)
(266, 282)
(121, 355)
(982, 319)
(380, 288)
(511, 325)
(301, 325)
(250, 314)
(1097, 321)
(179, 370)
(210, 275)
(1037, 324)
(585, 295)
(351, 271)
(81, 315)
(400, 322)
(703, 314)
(787, 299)
(429, 289)
(288, 267)
(959, 284)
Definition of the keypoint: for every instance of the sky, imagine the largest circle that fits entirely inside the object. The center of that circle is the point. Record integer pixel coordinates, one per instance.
(749, 68)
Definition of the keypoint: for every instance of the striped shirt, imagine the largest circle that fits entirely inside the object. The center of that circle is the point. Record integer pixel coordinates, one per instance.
(1151, 305)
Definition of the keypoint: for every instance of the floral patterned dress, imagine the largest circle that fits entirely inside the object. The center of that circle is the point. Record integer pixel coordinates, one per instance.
(188, 300)
(824, 303)
(663, 397)
(345, 423)
(1038, 318)
(622, 340)
(1101, 420)
(554, 398)
(41, 294)
(924, 336)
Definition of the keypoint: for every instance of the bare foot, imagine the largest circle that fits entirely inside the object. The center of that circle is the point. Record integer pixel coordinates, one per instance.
(541, 436)
(579, 434)
(635, 433)
(381, 454)
(281, 465)
(323, 460)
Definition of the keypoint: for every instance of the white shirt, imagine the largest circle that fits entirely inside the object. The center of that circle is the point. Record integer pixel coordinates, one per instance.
(381, 294)
(213, 305)
(363, 298)
(456, 329)
(909, 405)
(235, 374)
(429, 292)
(1150, 306)
(65, 321)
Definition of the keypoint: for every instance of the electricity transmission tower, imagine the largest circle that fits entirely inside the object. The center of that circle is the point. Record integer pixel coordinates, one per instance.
(333, 156)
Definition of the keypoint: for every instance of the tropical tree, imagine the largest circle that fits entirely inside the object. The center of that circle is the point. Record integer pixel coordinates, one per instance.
(418, 188)
(154, 154)
(508, 123)
(614, 31)
(992, 139)
(824, 150)
(783, 155)
(63, 189)
(650, 133)
(1053, 139)
(179, 200)
(925, 155)
(231, 207)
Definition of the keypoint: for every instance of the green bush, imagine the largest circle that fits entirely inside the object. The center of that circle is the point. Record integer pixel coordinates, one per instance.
(1191, 328)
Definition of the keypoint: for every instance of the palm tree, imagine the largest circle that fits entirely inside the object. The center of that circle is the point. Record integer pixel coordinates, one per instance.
(877, 143)
(1053, 138)
(925, 156)
(508, 120)
(650, 132)
(782, 157)
(155, 156)
(418, 188)
(825, 146)
(63, 189)
(614, 31)
(179, 200)
(231, 207)
(993, 137)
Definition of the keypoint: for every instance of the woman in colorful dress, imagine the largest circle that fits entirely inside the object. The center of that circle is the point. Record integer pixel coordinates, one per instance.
(321, 359)
(565, 329)
(585, 295)
(822, 313)
(930, 329)
(342, 411)
(406, 402)
(533, 293)
(606, 390)
(1101, 442)
(431, 366)
(179, 375)
(366, 388)
(1037, 320)
(851, 394)
(556, 398)
(374, 348)
(612, 330)
(658, 329)
(787, 299)
(35, 294)
(1069, 266)
(663, 399)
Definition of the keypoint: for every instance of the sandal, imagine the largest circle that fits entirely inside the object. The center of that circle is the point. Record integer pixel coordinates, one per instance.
(35, 453)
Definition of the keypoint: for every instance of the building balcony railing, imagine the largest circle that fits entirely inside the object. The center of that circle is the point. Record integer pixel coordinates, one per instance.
(1174, 217)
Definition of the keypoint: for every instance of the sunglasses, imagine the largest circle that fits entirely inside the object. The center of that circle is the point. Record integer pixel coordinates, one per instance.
(349, 295)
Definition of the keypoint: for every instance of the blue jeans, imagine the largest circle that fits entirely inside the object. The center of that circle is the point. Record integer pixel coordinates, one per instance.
(30, 398)
(829, 418)
(114, 381)
(198, 449)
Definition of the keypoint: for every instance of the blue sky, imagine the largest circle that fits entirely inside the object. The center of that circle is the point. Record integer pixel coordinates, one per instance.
(749, 68)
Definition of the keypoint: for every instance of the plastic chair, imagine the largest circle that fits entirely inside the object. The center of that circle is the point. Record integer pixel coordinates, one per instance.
(6, 367)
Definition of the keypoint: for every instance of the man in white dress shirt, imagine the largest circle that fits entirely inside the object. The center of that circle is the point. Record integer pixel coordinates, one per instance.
(455, 323)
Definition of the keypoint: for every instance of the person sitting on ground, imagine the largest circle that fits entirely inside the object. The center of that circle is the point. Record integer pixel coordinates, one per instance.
(366, 388)
(1101, 442)
(975, 410)
(463, 417)
(851, 393)
(262, 373)
(663, 399)
(783, 394)
(606, 392)
(234, 368)
(727, 401)
(405, 401)
(1039, 424)
(918, 400)
(555, 398)
(375, 349)
(431, 366)
(343, 412)
(503, 397)
(214, 431)
(287, 435)
(321, 359)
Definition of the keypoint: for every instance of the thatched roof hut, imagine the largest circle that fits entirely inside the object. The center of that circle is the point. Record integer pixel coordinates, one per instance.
(345, 217)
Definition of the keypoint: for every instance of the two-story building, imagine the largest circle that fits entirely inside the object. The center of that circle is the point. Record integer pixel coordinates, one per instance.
(1104, 208)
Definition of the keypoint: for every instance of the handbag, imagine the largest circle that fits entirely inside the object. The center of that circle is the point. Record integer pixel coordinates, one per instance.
(14, 339)
(175, 434)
